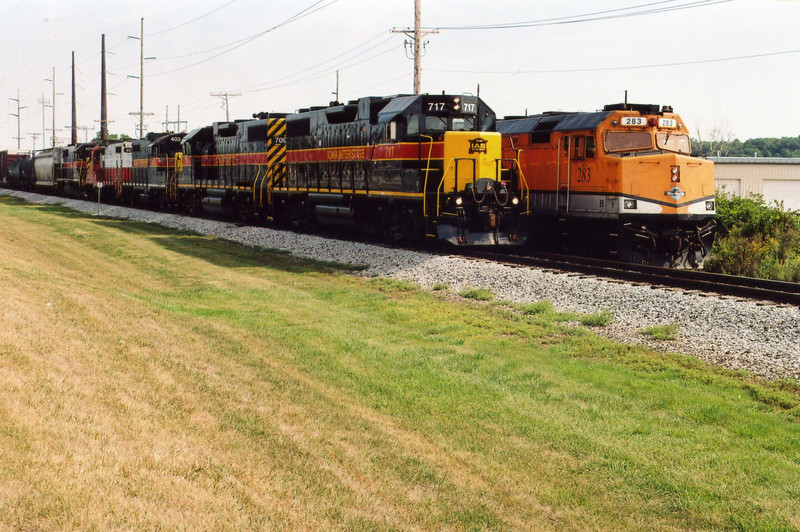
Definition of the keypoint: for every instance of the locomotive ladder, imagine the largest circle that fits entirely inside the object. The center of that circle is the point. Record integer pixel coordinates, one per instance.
(172, 177)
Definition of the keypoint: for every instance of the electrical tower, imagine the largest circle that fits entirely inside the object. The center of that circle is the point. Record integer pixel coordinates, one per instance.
(167, 122)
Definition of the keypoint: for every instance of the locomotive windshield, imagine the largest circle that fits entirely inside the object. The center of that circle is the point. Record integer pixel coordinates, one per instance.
(674, 142)
(625, 141)
(438, 124)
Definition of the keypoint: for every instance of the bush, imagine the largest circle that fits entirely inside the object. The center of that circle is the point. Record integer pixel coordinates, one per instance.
(755, 240)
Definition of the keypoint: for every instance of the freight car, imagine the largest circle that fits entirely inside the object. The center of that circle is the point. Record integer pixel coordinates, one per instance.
(618, 183)
(10, 174)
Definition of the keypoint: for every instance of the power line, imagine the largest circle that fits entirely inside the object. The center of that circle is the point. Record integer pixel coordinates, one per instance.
(381, 34)
(323, 73)
(193, 20)
(238, 44)
(327, 70)
(633, 67)
(591, 17)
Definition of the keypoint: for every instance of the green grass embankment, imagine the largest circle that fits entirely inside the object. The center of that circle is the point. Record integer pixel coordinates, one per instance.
(153, 379)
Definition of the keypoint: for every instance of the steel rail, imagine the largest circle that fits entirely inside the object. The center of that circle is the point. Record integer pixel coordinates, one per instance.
(690, 280)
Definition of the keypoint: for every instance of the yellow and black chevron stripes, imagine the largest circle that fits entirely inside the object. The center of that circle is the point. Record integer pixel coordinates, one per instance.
(276, 138)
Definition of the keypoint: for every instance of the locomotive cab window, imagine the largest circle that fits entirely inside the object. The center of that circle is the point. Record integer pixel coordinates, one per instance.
(463, 124)
(578, 148)
(628, 141)
(435, 123)
(674, 142)
(413, 125)
(591, 150)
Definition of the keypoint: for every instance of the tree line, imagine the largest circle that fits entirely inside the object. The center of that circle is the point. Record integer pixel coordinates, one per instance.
(763, 147)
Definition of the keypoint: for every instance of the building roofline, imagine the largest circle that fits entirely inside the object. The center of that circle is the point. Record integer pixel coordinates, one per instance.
(754, 160)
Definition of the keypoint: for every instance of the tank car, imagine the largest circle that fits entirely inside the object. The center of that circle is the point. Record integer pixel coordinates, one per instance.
(44, 163)
(619, 183)
(16, 170)
(404, 167)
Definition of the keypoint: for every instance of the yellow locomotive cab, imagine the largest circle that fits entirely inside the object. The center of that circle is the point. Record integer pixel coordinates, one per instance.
(470, 156)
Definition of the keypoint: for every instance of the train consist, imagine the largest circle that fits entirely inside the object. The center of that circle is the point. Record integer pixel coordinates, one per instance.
(616, 183)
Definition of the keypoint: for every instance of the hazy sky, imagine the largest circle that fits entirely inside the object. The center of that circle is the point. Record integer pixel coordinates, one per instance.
(729, 65)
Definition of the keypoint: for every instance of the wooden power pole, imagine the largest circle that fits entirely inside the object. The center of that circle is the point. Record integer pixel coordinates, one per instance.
(416, 36)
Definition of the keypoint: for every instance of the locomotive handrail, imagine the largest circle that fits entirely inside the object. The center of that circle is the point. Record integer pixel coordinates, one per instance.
(474, 171)
(521, 179)
(425, 185)
(255, 185)
(278, 172)
(172, 180)
(440, 186)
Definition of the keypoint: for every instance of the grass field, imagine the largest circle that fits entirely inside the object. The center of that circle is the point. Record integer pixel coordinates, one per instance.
(152, 379)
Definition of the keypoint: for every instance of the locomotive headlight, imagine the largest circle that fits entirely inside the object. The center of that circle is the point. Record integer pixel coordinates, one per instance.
(630, 204)
(676, 173)
(515, 201)
(710, 205)
(459, 201)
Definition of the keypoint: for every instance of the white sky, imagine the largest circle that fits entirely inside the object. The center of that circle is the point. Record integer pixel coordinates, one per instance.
(544, 67)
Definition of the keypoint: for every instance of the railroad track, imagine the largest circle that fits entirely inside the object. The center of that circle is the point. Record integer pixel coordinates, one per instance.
(728, 285)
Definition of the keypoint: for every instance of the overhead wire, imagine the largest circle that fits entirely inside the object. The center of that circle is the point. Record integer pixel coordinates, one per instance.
(238, 44)
(324, 73)
(630, 67)
(590, 17)
(191, 21)
(340, 66)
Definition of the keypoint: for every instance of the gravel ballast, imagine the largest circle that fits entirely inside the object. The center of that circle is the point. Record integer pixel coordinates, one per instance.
(763, 339)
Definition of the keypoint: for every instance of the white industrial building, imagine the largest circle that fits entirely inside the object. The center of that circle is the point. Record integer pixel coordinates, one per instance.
(776, 179)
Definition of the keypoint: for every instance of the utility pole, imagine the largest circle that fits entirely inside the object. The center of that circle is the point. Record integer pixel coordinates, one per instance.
(337, 87)
(167, 122)
(19, 108)
(74, 139)
(103, 99)
(225, 96)
(142, 58)
(45, 103)
(179, 120)
(35, 136)
(416, 42)
(85, 130)
(54, 106)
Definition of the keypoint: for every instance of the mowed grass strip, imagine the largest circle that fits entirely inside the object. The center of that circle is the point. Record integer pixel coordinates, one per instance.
(152, 379)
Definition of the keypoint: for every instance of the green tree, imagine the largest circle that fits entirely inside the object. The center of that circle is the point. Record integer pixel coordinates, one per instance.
(113, 136)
